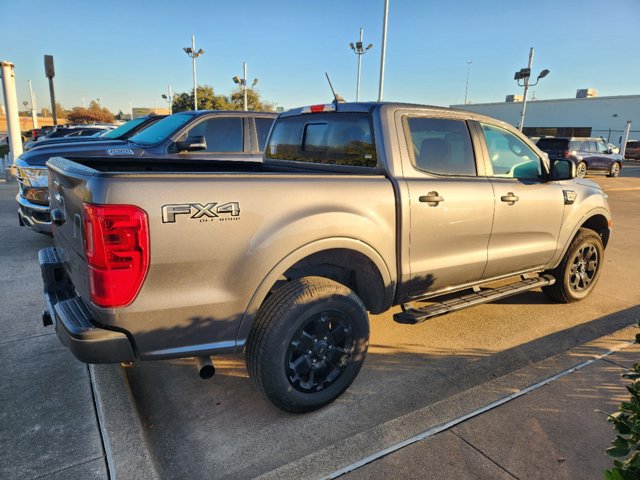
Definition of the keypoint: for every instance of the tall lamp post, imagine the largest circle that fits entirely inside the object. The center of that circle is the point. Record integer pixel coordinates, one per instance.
(191, 51)
(169, 99)
(243, 83)
(466, 88)
(524, 74)
(359, 51)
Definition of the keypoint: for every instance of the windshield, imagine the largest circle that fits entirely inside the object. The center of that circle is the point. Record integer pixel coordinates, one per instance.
(161, 130)
(123, 129)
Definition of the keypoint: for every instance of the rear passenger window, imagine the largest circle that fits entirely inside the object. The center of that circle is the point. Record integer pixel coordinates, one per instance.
(441, 146)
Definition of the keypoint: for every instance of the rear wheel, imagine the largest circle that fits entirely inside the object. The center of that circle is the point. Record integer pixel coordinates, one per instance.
(615, 170)
(579, 270)
(581, 170)
(308, 344)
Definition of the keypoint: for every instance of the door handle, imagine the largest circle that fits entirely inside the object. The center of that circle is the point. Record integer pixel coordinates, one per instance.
(432, 199)
(510, 198)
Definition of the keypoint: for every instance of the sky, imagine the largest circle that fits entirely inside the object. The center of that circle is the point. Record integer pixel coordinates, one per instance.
(128, 52)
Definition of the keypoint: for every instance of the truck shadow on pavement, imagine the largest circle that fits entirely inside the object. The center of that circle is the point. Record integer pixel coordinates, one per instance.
(202, 428)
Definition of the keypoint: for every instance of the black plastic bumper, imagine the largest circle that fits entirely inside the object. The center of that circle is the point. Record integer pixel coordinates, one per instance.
(72, 319)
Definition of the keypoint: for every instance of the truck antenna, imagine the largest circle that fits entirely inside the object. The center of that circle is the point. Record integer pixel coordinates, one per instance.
(336, 96)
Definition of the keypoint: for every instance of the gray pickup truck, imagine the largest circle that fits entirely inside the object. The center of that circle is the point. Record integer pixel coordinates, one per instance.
(357, 207)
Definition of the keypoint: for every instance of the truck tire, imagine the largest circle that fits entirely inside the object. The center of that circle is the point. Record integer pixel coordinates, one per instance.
(307, 345)
(579, 269)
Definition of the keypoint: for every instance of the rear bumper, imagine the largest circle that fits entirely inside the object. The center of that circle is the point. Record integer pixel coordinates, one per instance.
(36, 217)
(72, 319)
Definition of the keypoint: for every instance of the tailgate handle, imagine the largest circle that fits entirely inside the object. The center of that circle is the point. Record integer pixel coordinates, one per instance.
(510, 198)
(432, 198)
(58, 217)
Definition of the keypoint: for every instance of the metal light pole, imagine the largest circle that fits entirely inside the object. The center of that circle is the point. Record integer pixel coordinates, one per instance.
(169, 99)
(524, 74)
(359, 51)
(191, 51)
(34, 112)
(384, 48)
(11, 110)
(243, 84)
(466, 88)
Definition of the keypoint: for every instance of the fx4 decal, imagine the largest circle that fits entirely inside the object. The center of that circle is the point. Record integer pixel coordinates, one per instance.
(208, 212)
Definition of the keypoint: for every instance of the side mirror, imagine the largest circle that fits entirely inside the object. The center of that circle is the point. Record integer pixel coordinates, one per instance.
(563, 169)
(192, 144)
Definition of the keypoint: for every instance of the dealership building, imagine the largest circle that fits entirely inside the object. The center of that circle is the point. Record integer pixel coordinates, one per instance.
(587, 115)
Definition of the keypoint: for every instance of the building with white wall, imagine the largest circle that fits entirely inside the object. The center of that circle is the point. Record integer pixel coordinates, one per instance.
(592, 116)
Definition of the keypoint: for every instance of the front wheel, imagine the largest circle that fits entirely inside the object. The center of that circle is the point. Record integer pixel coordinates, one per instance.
(308, 344)
(615, 170)
(579, 271)
(581, 170)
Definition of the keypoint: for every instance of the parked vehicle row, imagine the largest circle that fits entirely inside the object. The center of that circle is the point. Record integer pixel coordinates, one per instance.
(181, 244)
(183, 136)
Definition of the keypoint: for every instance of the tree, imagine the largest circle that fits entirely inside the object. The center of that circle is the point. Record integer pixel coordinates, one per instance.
(60, 111)
(207, 100)
(92, 114)
(253, 101)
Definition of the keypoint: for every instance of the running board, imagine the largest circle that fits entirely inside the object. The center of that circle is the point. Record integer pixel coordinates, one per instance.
(486, 295)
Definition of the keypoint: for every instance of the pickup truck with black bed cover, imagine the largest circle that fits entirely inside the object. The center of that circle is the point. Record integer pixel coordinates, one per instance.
(204, 134)
(356, 208)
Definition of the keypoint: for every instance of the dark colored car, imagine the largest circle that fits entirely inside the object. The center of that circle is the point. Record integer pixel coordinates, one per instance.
(123, 132)
(588, 153)
(187, 136)
(632, 150)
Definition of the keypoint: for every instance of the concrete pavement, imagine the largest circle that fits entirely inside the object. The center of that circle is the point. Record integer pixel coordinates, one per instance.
(48, 422)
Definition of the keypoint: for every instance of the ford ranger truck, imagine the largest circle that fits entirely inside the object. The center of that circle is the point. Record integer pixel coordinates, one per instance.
(357, 207)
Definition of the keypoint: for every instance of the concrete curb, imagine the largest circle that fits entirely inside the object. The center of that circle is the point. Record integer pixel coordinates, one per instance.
(324, 463)
(126, 447)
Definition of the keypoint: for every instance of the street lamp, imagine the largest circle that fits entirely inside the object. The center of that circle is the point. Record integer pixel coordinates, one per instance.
(169, 99)
(359, 51)
(191, 51)
(524, 74)
(243, 83)
(466, 88)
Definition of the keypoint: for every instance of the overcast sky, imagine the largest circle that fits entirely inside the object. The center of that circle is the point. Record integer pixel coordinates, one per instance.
(129, 51)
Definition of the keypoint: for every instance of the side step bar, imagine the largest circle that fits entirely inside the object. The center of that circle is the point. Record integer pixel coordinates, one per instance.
(486, 295)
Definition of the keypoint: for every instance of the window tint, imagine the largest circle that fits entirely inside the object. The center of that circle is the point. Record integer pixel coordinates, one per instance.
(124, 129)
(554, 144)
(510, 156)
(441, 146)
(263, 125)
(222, 134)
(601, 147)
(161, 130)
(329, 138)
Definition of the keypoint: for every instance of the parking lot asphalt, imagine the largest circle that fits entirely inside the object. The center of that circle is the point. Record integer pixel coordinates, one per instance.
(160, 420)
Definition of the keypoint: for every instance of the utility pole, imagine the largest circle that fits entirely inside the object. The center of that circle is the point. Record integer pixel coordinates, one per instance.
(466, 88)
(34, 111)
(243, 84)
(50, 73)
(525, 74)
(191, 52)
(359, 51)
(11, 107)
(384, 48)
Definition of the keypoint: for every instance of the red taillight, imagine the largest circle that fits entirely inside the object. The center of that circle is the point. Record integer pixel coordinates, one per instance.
(117, 247)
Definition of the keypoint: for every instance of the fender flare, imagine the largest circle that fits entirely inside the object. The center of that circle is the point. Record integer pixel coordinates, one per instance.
(299, 254)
